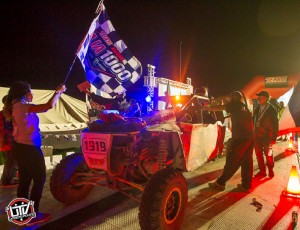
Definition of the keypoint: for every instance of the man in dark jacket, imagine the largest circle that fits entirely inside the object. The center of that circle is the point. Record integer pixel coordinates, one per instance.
(265, 133)
(240, 154)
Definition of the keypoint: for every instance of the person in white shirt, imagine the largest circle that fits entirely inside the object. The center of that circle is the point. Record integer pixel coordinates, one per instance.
(27, 141)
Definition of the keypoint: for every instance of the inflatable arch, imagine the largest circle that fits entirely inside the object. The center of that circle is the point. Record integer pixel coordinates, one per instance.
(276, 86)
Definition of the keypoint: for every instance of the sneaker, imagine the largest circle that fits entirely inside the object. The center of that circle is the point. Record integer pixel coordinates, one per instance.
(40, 218)
(260, 174)
(242, 188)
(217, 186)
(271, 173)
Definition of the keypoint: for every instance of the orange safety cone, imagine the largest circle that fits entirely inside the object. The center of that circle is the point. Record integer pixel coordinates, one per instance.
(293, 188)
(291, 145)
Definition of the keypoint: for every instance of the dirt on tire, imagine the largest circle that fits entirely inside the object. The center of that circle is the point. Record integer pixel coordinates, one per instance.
(60, 181)
(164, 201)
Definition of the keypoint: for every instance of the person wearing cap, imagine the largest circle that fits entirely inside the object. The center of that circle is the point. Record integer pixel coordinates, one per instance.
(241, 152)
(265, 133)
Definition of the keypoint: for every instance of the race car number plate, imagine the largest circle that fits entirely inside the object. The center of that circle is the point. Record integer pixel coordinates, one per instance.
(94, 145)
(95, 148)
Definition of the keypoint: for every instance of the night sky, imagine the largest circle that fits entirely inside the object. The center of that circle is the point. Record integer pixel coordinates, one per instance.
(224, 43)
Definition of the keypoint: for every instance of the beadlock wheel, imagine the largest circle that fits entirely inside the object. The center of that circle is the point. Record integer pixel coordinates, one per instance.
(164, 201)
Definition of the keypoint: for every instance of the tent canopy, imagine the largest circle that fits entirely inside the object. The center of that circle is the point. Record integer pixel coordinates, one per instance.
(69, 113)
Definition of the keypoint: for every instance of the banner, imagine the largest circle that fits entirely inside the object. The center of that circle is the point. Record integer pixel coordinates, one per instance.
(108, 63)
(276, 82)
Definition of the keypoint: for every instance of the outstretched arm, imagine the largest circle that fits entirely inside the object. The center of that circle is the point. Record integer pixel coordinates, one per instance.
(214, 108)
(50, 104)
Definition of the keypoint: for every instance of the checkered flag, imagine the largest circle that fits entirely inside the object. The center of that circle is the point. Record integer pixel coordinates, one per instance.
(108, 63)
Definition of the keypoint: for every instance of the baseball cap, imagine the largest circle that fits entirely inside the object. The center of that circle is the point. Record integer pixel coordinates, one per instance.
(264, 94)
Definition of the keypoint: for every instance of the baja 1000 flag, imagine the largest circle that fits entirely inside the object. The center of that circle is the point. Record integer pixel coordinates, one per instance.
(108, 63)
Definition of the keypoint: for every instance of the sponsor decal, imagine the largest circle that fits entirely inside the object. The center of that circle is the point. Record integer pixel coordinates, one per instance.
(97, 162)
(276, 82)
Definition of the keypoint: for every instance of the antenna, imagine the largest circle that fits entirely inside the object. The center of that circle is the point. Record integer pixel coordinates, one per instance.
(180, 61)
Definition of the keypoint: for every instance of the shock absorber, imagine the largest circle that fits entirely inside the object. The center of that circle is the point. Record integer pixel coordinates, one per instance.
(162, 152)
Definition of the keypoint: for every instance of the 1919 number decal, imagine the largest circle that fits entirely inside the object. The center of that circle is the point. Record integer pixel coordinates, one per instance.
(96, 148)
(94, 145)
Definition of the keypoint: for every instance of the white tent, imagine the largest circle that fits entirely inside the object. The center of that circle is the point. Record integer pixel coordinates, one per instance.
(61, 125)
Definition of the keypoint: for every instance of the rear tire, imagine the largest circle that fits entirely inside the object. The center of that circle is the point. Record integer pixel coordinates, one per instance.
(60, 181)
(164, 201)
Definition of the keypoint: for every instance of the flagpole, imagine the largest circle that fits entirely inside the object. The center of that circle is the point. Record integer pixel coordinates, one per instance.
(71, 67)
(99, 7)
(98, 10)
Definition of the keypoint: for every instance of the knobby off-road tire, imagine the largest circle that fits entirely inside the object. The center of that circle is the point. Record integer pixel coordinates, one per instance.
(164, 201)
(60, 182)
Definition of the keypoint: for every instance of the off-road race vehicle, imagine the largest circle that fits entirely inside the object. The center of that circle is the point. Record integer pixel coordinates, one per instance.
(142, 158)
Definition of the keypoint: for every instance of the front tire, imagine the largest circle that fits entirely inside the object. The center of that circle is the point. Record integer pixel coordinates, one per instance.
(61, 185)
(164, 201)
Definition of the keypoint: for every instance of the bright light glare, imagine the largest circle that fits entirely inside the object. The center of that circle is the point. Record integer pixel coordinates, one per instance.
(148, 99)
(290, 145)
(293, 184)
